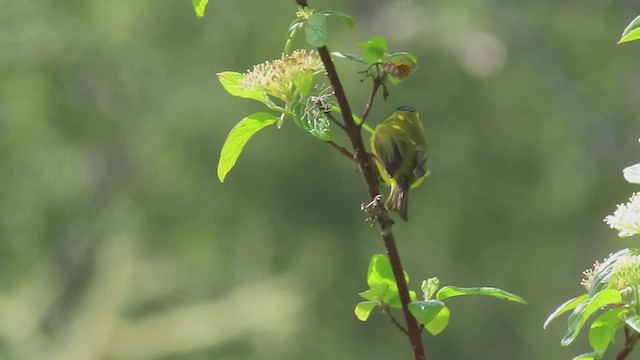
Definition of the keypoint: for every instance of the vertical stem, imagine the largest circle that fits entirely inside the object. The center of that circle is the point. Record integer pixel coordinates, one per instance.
(365, 165)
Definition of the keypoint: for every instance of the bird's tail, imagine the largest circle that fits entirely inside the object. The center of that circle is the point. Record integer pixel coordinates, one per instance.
(398, 199)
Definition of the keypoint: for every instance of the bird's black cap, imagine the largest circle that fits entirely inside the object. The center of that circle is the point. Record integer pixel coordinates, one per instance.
(405, 108)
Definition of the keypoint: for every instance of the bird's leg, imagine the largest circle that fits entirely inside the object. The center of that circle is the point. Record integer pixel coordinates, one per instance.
(376, 211)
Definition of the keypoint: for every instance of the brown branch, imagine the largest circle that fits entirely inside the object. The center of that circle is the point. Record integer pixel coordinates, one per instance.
(630, 341)
(342, 150)
(370, 175)
(377, 81)
(385, 310)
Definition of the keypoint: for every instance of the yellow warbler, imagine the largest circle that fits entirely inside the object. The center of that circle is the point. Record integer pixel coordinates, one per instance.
(400, 148)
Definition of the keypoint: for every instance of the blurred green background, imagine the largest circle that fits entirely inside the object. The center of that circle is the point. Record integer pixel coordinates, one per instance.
(118, 242)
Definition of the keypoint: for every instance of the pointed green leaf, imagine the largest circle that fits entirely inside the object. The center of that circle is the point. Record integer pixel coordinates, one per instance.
(392, 298)
(584, 310)
(364, 309)
(231, 81)
(238, 138)
(440, 322)
(602, 277)
(380, 272)
(345, 18)
(351, 57)
(375, 49)
(425, 311)
(375, 293)
(632, 174)
(296, 25)
(316, 30)
(451, 291)
(588, 356)
(567, 306)
(632, 32)
(315, 122)
(199, 6)
(604, 328)
(633, 321)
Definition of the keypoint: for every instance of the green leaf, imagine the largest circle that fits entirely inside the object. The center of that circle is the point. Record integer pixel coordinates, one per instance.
(633, 321)
(451, 291)
(604, 328)
(584, 310)
(345, 18)
(602, 277)
(303, 82)
(296, 25)
(199, 6)
(632, 32)
(356, 118)
(316, 30)
(375, 293)
(351, 57)
(364, 309)
(231, 80)
(588, 356)
(425, 311)
(400, 65)
(238, 138)
(439, 323)
(429, 287)
(567, 306)
(315, 122)
(375, 49)
(632, 174)
(380, 272)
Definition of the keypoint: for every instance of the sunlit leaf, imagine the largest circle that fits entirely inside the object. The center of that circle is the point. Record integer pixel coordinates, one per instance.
(345, 18)
(425, 311)
(374, 49)
(633, 322)
(567, 306)
(602, 276)
(364, 309)
(584, 310)
(604, 328)
(632, 32)
(238, 138)
(199, 6)
(351, 57)
(231, 81)
(439, 323)
(380, 272)
(315, 122)
(316, 30)
(588, 356)
(376, 292)
(451, 291)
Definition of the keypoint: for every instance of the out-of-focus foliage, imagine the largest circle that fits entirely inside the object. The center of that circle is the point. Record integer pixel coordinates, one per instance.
(118, 242)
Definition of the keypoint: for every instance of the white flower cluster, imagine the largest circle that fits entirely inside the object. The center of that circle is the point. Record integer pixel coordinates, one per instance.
(626, 218)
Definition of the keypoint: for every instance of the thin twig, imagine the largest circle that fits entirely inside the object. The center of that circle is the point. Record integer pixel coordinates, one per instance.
(335, 121)
(385, 310)
(367, 108)
(342, 150)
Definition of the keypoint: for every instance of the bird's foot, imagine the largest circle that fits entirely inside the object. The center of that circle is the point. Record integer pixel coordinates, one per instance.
(375, 209)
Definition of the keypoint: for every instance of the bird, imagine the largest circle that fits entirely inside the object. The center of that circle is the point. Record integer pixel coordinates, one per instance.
(399, 147)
